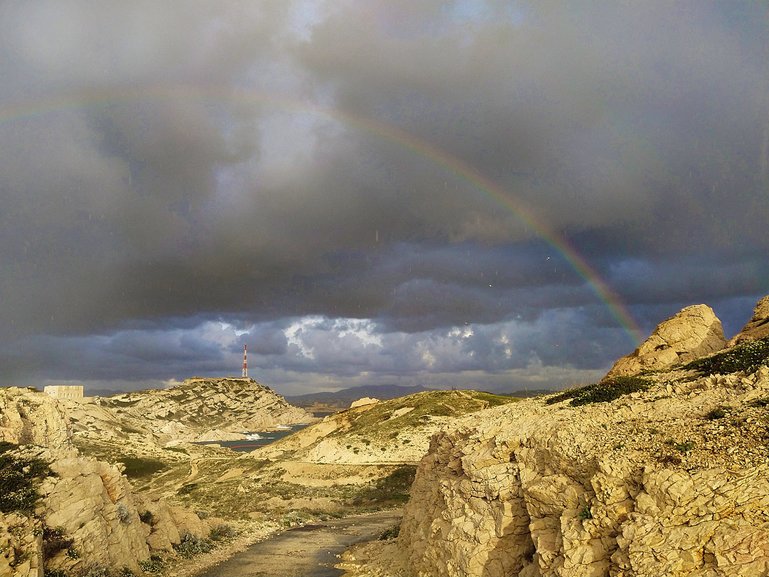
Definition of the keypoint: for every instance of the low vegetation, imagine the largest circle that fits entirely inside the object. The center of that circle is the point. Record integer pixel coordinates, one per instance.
(20, 478)
(405, 412)
(389, 491)
(602, 392)
(746, 357)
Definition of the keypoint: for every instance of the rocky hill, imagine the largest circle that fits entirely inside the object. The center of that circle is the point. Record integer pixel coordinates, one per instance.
(199, 409)
(661, 472)
(392, 431)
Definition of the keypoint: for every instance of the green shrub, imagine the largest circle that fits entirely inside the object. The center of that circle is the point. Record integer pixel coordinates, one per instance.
(222, 533)
(123, 514)
(187, 489)
(390, 533)
(191, 545)
(155, 564)
(603, 392)
(585, 513)
(684, 447)
(20, 478)
(146, 517)
(98, 571)
(389, 490)
(746, 357)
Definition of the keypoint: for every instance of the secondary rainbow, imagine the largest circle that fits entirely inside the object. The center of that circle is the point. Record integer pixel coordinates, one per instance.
(450, 162)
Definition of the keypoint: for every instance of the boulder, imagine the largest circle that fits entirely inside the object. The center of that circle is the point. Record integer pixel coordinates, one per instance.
(694, 332)
(363, 402)
(758, 325)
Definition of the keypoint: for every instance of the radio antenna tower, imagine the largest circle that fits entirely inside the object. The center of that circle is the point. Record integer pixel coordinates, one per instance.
(245, 362)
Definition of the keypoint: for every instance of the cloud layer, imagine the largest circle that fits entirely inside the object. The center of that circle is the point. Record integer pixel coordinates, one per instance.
(398, 170)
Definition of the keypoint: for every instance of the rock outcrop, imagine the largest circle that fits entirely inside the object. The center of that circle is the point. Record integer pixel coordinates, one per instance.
(670, 480)
(692, 333)
(88, 515)
(31, 418)
(362, 402)
(758, 325)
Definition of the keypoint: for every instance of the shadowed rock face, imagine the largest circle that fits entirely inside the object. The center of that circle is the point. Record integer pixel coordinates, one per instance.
(692, 333)
(757, 327)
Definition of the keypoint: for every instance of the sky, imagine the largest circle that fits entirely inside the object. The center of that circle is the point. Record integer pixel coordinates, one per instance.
(458, 193)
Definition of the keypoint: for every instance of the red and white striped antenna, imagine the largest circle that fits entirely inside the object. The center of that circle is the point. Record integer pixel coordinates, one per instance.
(245, 362)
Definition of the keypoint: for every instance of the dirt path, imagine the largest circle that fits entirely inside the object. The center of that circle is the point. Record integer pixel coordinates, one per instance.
(309, 551)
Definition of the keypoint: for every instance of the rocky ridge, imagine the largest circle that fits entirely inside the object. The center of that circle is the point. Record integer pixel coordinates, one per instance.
(379, 432)
(669, 479)
(199, 409)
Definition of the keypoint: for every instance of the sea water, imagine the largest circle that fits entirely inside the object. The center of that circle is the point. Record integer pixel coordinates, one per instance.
(256, 439)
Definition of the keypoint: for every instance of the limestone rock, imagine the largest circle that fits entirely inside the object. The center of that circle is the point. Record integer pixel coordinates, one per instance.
(692, 333)
(758, 325)
(652, 483)
(21, 546)
(109, 524)
(33, 418)
(362, 402)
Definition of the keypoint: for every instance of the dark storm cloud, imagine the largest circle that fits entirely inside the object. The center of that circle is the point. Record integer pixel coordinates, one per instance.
(169, 164)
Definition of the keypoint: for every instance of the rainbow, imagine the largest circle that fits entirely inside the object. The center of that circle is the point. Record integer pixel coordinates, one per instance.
(454, 165)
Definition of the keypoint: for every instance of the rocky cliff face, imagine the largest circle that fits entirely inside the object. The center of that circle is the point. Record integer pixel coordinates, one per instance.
(671, 479)
(88, 515)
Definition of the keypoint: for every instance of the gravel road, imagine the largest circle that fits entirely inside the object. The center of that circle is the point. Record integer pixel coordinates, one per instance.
(309, 551)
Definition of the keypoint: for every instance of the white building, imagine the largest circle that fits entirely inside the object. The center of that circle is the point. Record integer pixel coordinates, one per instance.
(74, 392)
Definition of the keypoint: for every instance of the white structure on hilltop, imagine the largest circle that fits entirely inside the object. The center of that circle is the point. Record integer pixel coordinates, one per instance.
(245, 362)
(74, 392)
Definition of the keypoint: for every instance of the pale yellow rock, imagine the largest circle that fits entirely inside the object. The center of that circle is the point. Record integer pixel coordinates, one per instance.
(758, 325)
(692, 333)
(644, 486)
(362, 402)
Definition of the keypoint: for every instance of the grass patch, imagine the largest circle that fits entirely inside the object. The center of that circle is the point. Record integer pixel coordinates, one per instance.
(746, 357)
(376, 422)
(604, 392)
(191, 545)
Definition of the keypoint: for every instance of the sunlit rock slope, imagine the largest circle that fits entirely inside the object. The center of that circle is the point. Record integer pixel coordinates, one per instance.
(664, 473)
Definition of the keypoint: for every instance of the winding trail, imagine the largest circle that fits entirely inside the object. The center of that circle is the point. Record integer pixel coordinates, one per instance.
(309, 551)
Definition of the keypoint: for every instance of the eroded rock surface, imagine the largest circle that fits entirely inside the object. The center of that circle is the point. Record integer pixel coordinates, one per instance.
(758, 325)
(692, 333)
(99, 520)
(672, 480)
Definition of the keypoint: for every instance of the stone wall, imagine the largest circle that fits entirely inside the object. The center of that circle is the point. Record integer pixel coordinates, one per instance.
(72, 392)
